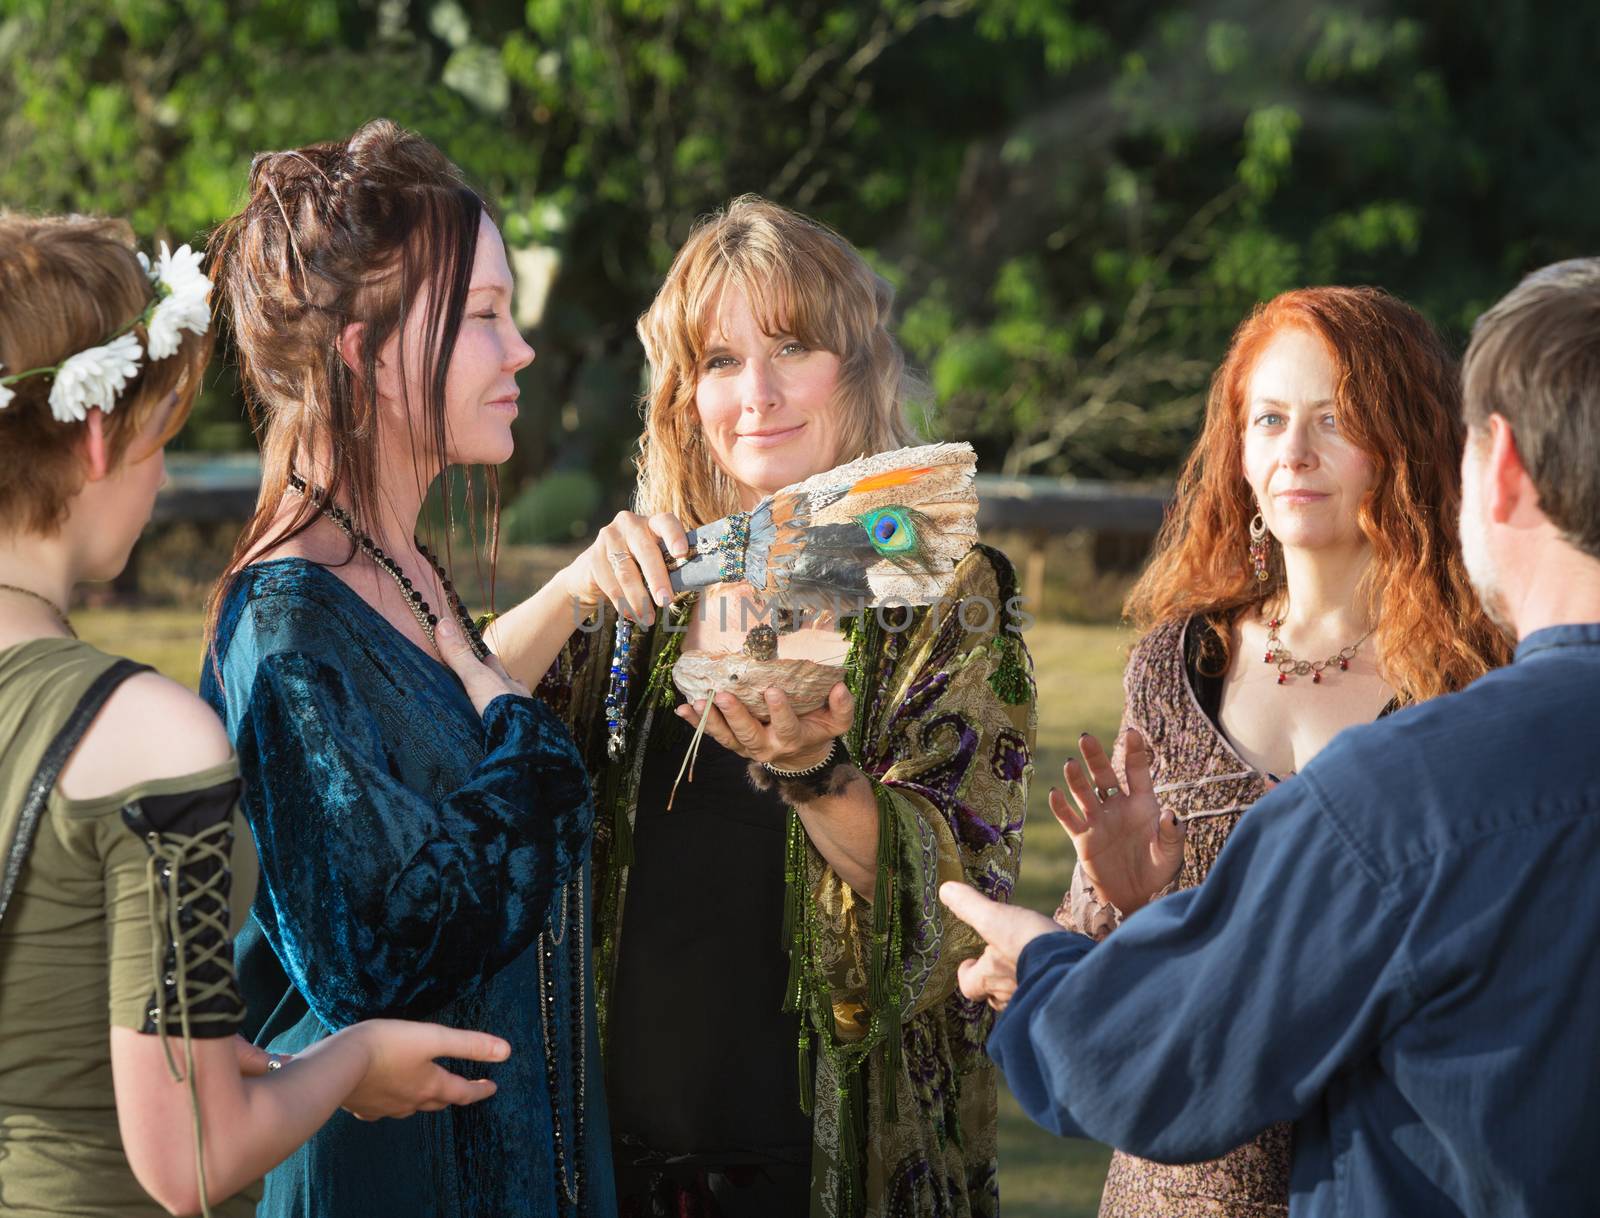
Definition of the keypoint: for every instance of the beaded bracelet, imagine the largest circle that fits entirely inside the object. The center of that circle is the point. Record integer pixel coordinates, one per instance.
(830, 776)
(827, 761)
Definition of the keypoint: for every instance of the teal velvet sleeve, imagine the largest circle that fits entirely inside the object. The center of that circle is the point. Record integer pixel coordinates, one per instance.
(412, 850)
(408, 849)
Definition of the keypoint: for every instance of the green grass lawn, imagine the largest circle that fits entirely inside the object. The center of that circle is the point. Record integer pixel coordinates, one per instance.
(1079, 671)
(1079, 674)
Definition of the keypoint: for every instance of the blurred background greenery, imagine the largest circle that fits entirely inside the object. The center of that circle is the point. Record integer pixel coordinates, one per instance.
(1076, 202)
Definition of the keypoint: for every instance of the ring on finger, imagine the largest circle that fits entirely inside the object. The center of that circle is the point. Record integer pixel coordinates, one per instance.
(1105, 793)
(618, 558)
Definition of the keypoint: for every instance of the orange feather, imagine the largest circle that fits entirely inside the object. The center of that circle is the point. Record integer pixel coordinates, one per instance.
(893, 477)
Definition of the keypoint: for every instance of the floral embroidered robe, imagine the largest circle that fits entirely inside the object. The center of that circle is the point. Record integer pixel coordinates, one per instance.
(946, 734)
(1201, 777)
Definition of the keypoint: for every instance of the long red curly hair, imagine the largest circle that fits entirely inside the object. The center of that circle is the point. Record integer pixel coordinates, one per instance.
(1398, 399)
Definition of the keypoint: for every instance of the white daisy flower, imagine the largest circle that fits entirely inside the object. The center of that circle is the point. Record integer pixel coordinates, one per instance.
(6, 392)
(94, 378)
(183, 305)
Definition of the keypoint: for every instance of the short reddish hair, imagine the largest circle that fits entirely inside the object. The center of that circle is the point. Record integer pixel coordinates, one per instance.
(68, 284)
(1398, 400)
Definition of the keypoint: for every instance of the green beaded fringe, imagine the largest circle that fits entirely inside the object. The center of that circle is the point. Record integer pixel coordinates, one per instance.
(807, 991)
(659, 689)
(1009, 678)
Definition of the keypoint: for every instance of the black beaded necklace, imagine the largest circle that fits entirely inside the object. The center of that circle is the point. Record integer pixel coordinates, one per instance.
(427, 619)
(569, 1153)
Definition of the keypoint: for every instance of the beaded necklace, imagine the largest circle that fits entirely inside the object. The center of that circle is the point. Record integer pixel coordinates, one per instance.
(569, 1162)
(1281, 658)
(427, 619)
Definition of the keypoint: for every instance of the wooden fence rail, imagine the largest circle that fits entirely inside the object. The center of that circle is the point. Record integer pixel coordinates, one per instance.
(214, 489)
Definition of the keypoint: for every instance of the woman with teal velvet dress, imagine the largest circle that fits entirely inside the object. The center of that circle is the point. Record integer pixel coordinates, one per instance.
(422, 822)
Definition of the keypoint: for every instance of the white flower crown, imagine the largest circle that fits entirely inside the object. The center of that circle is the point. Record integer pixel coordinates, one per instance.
(95, 377)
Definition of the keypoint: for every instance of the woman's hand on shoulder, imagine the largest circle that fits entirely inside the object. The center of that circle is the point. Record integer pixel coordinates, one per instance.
(1128, 847)
(625, 566)
(151, 728)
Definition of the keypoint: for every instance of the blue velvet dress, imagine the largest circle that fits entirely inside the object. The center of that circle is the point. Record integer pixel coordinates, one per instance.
(411, 854)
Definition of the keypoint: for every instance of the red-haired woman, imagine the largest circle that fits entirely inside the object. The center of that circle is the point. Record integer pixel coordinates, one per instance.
(1307, 579)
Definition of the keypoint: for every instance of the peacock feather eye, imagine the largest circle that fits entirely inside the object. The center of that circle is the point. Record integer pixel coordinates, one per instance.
(890, 529)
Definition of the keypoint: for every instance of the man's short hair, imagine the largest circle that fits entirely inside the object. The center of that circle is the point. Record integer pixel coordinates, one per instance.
(1535, 359)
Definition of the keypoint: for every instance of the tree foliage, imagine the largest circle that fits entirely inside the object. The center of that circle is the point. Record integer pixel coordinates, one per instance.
(1076, 201)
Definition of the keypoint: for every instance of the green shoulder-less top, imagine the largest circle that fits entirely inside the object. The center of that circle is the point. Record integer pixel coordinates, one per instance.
(121, 915)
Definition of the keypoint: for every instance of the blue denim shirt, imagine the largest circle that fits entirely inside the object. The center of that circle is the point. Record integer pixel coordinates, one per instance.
(1398, 950)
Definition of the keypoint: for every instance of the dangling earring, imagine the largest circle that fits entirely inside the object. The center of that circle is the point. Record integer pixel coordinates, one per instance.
(1258, 547)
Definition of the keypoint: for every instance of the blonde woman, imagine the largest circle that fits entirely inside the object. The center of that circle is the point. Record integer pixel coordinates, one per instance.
(776, 976)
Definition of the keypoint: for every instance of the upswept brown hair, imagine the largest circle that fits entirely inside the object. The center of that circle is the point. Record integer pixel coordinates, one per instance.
(801, 278)
(1396, 399)
(68, 284)
(1535, 359)
(347, 231)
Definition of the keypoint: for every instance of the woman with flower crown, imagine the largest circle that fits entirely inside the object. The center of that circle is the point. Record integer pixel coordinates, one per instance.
(422, 822)
(123, 867)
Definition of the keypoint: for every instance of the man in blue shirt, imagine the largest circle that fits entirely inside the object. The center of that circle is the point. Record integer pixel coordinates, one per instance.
(1399, 950)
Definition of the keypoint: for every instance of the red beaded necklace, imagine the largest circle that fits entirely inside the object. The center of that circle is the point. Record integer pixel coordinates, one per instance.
(1283, 659)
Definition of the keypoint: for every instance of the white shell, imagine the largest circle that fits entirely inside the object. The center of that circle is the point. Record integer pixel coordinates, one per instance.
(701, 674)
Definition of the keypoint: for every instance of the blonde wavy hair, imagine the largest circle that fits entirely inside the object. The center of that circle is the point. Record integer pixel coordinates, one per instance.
(801, 279)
